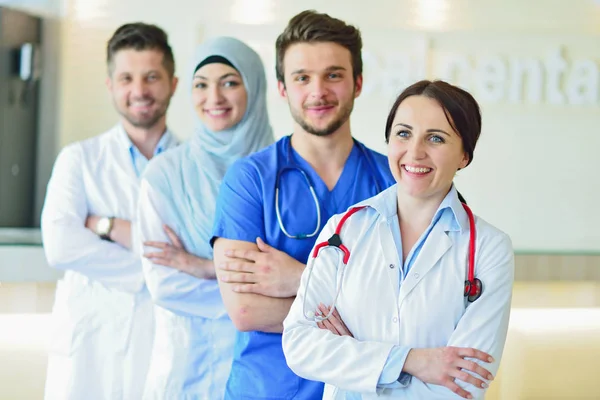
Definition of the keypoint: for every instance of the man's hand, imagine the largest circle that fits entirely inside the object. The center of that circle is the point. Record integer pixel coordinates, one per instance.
(334, 323)
(174, 255)
(120, 232)
(444, 365)
(268, 271)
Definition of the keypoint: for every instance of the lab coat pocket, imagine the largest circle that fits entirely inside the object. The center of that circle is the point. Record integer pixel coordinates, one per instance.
(68, 317)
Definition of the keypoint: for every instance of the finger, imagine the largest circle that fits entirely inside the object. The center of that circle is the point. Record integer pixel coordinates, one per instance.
(238, 266)
(247, 288)
(321, 325)
(450, 384)
(262, 246)
(250, 255)
(173, 237)
(161, 255)
(329, 326)
(474, 353)
(158, 245)
(164, 262)
(339, 323)
(468, 378)
(238, 277)
(474, 367)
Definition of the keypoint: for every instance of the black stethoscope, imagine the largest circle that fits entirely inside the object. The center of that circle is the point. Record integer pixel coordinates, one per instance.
(473, 286)
(292, 166)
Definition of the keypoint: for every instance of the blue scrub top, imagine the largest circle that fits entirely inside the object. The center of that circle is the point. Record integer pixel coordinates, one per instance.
(246, 210)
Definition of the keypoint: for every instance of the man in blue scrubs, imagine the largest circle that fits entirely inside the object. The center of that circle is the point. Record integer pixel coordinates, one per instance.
(260, 249)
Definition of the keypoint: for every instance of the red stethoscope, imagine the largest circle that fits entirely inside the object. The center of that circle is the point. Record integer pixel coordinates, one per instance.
(473, 286)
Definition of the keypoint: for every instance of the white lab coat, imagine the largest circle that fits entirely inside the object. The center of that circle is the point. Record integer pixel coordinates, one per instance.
(426, 310)
(102, 323)
(193, 347)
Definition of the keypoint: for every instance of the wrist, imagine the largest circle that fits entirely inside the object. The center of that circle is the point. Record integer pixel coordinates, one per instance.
(104, 227)
(411, 365)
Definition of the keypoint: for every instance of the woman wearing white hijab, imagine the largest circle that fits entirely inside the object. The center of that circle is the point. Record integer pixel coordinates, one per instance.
(194, 336)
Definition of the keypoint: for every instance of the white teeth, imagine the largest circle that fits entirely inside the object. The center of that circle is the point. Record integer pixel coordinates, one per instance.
(217, 112)
(415, 170)
(145, 104)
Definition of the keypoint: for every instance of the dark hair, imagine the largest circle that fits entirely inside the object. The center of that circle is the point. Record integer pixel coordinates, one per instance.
(461, 109)
(140, 36)
(312, 27)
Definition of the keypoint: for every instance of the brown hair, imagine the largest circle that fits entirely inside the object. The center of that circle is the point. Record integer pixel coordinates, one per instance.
(312, 27)
(140, 36)
(461, 109)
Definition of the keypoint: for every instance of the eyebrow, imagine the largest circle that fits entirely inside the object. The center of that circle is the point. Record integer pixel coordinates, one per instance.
(228, 75)
(428, 130)
(328, 69)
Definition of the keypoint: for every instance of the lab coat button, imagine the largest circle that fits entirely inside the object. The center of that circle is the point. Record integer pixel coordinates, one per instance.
(395, 319)
(392, 266)
(416, 276)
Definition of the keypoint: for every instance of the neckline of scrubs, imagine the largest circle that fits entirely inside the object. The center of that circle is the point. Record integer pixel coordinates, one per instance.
(328, 198)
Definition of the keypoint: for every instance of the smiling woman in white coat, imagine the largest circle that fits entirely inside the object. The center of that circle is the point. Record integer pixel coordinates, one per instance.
(395, 322)
(193, 349)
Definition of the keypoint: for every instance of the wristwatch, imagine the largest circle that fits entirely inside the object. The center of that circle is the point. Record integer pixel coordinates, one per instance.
(104, 226)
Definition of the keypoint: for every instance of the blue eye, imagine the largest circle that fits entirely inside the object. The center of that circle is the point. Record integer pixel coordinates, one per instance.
(403, 134)
(437, 139)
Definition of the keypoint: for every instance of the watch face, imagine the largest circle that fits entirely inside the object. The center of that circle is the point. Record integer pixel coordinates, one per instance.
(103, 226)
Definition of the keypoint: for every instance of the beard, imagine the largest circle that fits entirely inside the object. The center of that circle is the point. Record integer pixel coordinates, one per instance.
(340, 119)
(146, 121)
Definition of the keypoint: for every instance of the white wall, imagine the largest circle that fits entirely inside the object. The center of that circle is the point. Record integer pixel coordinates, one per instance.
(534, 168)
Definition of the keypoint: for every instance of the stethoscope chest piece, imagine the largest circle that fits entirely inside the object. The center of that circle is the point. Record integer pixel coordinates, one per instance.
(473, 289)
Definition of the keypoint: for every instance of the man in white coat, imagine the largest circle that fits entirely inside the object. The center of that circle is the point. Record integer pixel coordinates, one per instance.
(103, 323)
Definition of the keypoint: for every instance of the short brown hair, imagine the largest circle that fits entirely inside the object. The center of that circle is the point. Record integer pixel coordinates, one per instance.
(461, 109)
(140, 36)
(312, 27)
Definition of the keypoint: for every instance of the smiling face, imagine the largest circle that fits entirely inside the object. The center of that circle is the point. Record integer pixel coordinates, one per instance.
(141, 87)
(219, 96)
(319, 86)
(424, 151)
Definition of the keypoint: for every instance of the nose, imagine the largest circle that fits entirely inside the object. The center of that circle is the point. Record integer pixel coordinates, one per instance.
(139, 88)
(417, 149)
(318, 88)
(214, 95)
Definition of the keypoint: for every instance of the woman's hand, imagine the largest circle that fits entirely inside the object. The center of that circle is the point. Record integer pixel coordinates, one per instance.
(174, 255)
(334, 323)
(443, 365)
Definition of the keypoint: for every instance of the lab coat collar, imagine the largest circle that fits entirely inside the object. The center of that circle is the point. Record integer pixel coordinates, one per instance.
(455, 219)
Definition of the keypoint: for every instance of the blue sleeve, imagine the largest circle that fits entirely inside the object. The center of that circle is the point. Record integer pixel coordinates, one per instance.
(239, 214)
(392, 374)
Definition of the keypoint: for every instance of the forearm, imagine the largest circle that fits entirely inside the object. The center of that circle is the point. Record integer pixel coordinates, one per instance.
(74, 247)
(121, 232)
(254, 312)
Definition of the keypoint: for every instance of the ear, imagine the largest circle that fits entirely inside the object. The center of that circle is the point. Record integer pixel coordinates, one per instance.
(358, 86)
(281, 89)
(465, 161)
(109, 84)
(174, 83)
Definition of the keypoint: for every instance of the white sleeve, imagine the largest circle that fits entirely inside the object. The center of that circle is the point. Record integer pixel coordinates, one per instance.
(68, 244)
(318, 354)
(174, 290)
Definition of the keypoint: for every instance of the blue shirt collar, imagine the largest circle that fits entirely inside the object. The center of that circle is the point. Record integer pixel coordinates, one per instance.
(450, 214)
